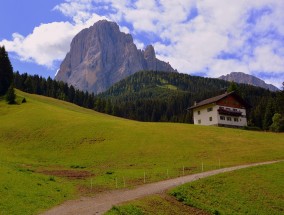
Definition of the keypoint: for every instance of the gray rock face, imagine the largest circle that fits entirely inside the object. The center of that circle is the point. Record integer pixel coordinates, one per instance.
(243, 78)
(102, 55)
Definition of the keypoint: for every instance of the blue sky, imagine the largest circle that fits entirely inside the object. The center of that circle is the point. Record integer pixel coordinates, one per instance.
(208, 37)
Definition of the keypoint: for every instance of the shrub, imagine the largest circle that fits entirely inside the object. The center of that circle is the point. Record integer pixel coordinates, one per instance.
(10, 95)
(276, 126)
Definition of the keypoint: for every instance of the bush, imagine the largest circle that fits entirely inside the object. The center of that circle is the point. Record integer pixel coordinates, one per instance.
(278, 123)
(51, 178)
(10, 95)
(24, 100)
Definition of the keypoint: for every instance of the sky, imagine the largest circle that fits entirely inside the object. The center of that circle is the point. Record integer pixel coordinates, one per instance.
(198, 37)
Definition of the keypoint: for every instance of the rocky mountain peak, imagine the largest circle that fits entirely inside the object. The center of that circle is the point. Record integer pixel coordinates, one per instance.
(149, 52)
(102, 55)
(243, 78)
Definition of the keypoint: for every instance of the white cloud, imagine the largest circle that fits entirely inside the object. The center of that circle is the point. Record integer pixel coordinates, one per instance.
(211, 36)
(45, 41)
(48, 42)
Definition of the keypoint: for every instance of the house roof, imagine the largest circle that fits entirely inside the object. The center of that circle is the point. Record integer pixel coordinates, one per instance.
(218, 98)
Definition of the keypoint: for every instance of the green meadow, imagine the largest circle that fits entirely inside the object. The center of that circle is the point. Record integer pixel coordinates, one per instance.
(256, 190)
(154, 205)
(51, 151)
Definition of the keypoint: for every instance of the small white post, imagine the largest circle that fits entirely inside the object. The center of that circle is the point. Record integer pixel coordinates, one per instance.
(116, 184)
(202, 166)
(144, 177)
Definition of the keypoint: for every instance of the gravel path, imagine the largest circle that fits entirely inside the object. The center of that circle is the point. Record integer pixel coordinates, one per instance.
(104, 201)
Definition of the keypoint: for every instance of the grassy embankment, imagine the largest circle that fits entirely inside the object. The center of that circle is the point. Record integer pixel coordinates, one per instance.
(256, 190)
(51, 151)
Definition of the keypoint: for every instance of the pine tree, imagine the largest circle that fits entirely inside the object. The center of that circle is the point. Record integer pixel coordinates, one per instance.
(6, 71)
(233, 87)
(10, 95)
(269, 112)
(276, 125)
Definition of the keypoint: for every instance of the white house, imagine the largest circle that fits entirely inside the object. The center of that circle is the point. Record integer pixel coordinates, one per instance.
(227, 110)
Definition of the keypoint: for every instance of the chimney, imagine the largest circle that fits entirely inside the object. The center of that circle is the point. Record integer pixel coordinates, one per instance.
(195, 103)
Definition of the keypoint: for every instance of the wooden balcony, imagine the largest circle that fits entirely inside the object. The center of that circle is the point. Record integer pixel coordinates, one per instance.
(226, 112)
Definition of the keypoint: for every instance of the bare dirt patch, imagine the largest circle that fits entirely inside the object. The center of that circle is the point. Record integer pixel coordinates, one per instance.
(70, 174)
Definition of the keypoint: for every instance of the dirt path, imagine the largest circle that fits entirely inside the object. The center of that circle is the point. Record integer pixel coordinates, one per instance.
(104, 201)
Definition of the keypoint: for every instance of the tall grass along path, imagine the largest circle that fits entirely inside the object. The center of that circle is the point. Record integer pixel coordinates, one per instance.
(104, 201)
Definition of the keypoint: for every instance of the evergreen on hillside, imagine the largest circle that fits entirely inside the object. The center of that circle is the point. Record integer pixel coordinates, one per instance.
(6, 71)
(10, 95)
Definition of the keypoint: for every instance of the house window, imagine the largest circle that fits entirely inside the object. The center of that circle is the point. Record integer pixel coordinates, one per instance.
(199, 121)
(228, 109)
(229, 118)
(235, 110)
(222, 108)
(236, 119)
(198, 112)
(210, 118)
(222, 117)
(209, 109)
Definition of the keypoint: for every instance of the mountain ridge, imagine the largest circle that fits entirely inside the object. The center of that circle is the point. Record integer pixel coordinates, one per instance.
(243, 78)
(103, 55)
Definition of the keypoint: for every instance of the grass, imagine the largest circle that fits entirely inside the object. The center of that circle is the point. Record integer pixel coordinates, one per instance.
(257, 190)
(45, 134)
(125, 210)
(25, 192)
(153, 205)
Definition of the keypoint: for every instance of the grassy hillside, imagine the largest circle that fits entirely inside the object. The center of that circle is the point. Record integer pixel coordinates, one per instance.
(161, 204)
(51, 150)
(256, 190)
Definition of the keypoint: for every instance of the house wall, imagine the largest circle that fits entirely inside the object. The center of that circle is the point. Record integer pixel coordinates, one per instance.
(205, 115)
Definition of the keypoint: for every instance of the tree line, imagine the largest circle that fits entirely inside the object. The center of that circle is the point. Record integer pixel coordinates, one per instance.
(6, 77)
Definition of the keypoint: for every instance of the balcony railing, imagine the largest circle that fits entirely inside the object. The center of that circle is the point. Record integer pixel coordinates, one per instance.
(229, 112)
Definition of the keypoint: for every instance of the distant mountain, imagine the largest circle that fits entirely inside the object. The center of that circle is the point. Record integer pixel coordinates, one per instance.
(243, 78)
(102, 55)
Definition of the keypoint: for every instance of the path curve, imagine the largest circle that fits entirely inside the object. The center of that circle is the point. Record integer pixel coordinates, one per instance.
(104, 201)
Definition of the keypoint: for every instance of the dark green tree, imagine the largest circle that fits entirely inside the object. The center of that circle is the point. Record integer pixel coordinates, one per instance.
(276, 125)
(269, 112)
(233, 87)
(10, 95)
(281, 100)
(6, 71)
(108, 107)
